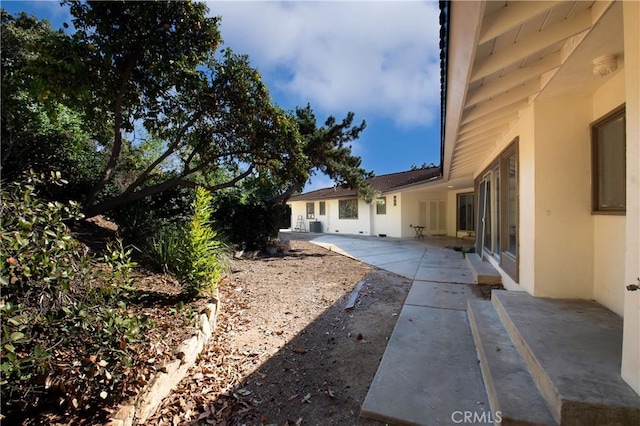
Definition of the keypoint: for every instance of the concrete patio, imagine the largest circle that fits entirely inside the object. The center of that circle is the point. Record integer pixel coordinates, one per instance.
(455, 357)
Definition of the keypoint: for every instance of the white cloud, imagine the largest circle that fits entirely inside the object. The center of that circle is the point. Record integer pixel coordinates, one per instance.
(374, 58)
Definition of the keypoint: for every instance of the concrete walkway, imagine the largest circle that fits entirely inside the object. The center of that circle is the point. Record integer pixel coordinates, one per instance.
(535, 360)
(409, 257)
(429, 373)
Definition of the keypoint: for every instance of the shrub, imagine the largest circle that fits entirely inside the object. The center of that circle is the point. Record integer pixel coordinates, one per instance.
(203, 258)
(36, 243)
(66, 330)
(250, 225)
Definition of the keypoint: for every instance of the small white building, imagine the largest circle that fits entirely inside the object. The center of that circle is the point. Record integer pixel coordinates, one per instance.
(409, 202)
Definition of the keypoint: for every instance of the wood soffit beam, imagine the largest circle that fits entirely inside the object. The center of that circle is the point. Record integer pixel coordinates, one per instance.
(472, 152)
(478, 135)
(513, 101)
(511, 16)
(513, 79)
(495, 120)
(532, 44)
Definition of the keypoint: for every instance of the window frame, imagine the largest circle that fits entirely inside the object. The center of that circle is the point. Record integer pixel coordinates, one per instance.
(322, 208)
(596, 160)
(311, 212)
(381, 205)
(458, 196)
(341, 212)
(510, 262)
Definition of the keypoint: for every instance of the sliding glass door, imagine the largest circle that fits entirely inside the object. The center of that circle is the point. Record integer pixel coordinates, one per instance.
(497, 219)
(509, 207)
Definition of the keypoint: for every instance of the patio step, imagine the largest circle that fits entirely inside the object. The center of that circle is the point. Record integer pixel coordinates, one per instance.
(573, 350)
(483, 272)
(513, 395)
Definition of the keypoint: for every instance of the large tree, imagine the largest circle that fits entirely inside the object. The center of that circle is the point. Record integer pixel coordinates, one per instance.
(154, 69)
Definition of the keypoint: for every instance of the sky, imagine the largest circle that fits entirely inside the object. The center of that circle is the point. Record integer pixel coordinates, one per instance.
(378, 59)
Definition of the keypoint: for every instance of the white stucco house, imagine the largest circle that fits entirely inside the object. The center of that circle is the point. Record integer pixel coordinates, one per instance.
(541, 134)
(408, 200)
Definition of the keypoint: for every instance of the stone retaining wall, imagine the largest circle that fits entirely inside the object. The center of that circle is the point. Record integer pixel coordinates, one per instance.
(166, 379)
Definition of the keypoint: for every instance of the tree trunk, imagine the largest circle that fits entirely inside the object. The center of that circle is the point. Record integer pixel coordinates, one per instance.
(284, 197)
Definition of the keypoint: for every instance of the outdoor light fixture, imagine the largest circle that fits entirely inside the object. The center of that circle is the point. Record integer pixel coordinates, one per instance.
(605, 65)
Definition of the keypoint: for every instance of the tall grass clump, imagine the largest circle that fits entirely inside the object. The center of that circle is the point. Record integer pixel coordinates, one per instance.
(166, 248)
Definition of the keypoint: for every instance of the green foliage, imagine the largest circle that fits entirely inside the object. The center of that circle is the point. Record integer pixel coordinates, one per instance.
(66, 329)
(140, 221)
(120, 267)
(423, 166)
(17, 365)
(249, 223)
(166, 248)
(158, 66)
(36, 243)
(203, 257)
(38, 131)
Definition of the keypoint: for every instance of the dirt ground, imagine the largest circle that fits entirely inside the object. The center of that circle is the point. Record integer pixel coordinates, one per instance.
(286, 352)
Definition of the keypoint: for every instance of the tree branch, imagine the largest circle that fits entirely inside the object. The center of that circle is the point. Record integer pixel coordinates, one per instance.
(284, 197)
(126, 198)
(117, 127)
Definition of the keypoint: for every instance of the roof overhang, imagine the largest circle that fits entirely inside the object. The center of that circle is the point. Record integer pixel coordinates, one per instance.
(502, 55)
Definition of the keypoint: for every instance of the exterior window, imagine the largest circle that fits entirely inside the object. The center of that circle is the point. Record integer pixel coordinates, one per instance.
(311, 211)
(322, 209)
(395, 199)
(348, 209)
(609, 163)
(381, 205)
(465, 212)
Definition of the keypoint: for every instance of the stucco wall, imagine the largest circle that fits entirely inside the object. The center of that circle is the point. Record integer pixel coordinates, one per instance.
(527, 193)
(631, 339)
(564, 238)
(609, 230)
(331, 222)
(410, 208)
(299, 208)
(608, 262)
(389, 223)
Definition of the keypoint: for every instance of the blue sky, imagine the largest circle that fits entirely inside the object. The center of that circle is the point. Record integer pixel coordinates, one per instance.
(379, 59)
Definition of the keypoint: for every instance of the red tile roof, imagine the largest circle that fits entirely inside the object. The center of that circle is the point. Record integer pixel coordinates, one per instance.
(382, 184)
